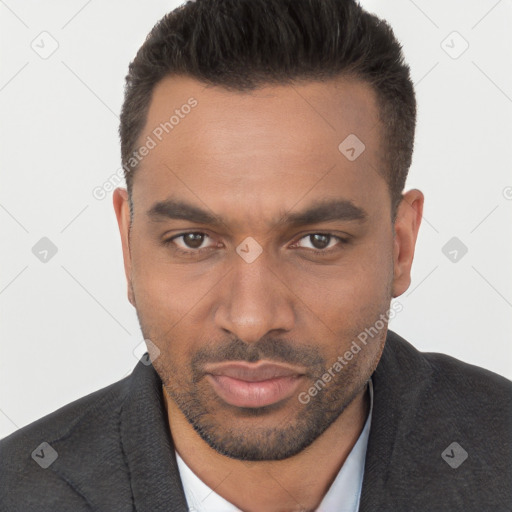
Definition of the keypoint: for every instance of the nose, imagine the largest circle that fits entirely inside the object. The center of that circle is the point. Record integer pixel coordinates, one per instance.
(255, 300)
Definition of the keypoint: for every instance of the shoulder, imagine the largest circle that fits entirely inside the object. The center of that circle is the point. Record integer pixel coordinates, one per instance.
(447, 373)
(27, 454)
(470, 380)
(99, 404)
(436, 394)
(440, 433)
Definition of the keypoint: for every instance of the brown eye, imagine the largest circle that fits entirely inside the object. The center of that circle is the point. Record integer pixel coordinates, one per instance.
(318, 241)
(189, 241)
(193, 240)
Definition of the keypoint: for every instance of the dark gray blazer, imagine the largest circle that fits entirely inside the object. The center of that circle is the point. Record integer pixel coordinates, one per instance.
(115, 453)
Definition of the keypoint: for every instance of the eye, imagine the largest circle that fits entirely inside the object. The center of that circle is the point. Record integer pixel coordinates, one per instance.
(189, 242)
(321, 242)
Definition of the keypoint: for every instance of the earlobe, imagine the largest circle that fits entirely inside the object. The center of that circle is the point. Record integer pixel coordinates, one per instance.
(407, 224)
(122, 209)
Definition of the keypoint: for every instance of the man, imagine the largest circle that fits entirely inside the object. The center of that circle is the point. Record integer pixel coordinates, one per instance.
(265, 232)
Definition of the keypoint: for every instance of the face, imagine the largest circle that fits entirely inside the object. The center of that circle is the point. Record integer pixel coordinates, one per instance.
(259, 251)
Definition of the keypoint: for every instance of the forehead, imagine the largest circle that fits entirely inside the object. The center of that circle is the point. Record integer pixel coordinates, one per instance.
(279, 141)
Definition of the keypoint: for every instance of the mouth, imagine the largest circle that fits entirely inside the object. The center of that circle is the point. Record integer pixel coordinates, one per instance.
(253, 384)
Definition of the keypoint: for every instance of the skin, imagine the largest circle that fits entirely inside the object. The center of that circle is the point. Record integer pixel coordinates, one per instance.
(249, 159)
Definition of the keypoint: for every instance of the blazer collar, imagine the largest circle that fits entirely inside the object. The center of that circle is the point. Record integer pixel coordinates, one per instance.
(148, 445)
(400, 382)
(126, 455)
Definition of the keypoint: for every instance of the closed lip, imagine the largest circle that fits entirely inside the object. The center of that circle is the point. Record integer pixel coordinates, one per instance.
(253, 372)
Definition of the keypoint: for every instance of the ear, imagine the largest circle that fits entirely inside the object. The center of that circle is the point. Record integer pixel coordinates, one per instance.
(122, 209)
(407, 225)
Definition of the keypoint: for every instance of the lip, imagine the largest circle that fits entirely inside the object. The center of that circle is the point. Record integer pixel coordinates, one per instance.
(253, 385)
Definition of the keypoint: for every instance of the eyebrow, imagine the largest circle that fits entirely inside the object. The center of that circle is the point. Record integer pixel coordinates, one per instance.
(324, 211)
(321, 211)
(180, 210)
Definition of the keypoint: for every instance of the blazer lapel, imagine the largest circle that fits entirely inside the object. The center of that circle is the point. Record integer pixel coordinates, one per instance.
(148, 446)
(118, 453)
(399, 381)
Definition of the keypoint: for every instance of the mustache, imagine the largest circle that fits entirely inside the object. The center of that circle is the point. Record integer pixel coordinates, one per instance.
(268, 348)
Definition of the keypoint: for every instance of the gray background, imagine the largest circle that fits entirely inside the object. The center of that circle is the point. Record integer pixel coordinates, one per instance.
(67, 327)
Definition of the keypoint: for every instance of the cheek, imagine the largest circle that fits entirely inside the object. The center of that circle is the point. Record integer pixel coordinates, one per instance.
(354, 289)
(166, 295)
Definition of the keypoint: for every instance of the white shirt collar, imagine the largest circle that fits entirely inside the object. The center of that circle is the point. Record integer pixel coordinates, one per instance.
(343, 495)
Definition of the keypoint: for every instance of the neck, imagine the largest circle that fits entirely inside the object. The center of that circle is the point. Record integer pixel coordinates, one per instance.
(296, 483)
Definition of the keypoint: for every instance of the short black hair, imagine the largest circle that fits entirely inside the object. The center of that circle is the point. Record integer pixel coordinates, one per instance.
(245, 44)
